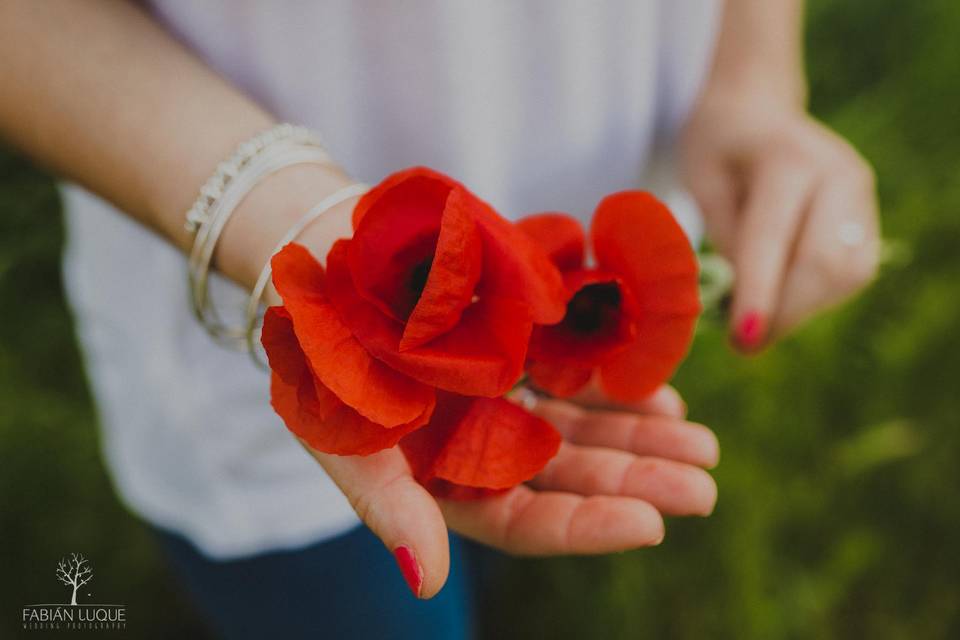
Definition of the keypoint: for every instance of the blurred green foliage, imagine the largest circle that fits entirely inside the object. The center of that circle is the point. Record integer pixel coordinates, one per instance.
(839, 512)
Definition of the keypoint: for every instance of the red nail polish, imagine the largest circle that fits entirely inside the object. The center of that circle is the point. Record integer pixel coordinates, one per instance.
(752, 330)
(411, 571)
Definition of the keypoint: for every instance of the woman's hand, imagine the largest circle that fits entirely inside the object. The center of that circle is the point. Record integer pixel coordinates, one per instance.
(788, 201)
(605, 491)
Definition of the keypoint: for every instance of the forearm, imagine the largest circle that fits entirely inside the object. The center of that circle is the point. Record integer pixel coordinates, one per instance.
(760, 50)
(99, 93)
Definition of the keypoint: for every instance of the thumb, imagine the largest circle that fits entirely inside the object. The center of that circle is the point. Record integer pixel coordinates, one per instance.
(399, 511)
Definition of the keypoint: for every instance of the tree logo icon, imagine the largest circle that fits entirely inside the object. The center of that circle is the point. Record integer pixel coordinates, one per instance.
(74, 571)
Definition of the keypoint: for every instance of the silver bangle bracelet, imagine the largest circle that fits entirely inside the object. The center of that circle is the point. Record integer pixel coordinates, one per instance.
(271, 156)
(256, 294)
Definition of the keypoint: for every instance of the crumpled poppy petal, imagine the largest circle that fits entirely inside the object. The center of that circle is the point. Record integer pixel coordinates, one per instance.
(485, 443)
(482, 356)
(396, 228)
(635, 236)
(514, 266)
(560, 380)
(422, 178)
(569, 343)
(559, 235)
(639, 369)
(376, 391)
(312, 412)
(453, 276)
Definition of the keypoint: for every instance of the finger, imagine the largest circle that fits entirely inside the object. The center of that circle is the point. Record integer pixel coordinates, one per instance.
(665, 401)
(779, 193)
(642, 435)
(713, 185)
(830, 266)
(674, 488)
(527, 522)
(399, 511)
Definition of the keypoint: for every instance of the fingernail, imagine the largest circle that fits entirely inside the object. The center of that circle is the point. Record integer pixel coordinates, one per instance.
(409, 567)
(751, 330)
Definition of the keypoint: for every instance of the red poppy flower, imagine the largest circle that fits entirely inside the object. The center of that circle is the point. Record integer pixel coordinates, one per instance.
(432, 301)
(474, 447)
(631, 317)
(438, 286)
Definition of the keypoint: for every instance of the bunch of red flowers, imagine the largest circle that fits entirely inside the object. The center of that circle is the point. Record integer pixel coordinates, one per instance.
(436, 306)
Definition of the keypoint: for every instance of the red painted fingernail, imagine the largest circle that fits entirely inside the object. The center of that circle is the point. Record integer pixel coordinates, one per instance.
(411, 571)
(751, 330)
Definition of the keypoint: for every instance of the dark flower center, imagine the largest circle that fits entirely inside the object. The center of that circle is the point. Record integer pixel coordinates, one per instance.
(593, 307)
(418, 277)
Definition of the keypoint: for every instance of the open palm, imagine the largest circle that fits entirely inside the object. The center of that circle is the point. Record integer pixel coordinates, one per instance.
(618, 471)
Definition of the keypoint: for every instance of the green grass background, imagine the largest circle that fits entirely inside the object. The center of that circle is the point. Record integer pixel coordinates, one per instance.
(839, 511)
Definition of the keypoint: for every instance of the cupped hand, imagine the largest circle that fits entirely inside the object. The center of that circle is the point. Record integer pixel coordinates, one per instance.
(616, 474)
(788, 201)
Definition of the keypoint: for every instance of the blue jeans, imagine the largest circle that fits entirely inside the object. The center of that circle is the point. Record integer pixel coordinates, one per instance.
(346, 587)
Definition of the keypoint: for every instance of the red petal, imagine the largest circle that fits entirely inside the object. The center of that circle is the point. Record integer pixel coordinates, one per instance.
(635, 236)
(452, 279)
(642, 367)
(376, 391)
(485, 443)
(483, 355)
(514, 266)
(309, 409)
(559, 235)
(385, 192)
(560, 380)
(401, 219)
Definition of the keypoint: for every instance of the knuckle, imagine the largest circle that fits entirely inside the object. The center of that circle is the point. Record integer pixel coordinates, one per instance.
(853, 170)
(864, 265)
(848, 270)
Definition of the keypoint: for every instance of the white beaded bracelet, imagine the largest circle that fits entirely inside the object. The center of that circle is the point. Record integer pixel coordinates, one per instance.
(256, 294)
(269, 155)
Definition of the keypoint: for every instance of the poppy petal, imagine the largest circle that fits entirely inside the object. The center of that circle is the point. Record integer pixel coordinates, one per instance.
(452, 279)
(484, 443)
(312, 412)
(483, 355)
(390, 190)
(396, 230)
(559, 235)
(560, 380)
(639, 369)
(376, 391)
(514, 266)
(635, 236)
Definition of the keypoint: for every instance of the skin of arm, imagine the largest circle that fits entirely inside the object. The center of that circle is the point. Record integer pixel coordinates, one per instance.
(779, 191)
(97, 92)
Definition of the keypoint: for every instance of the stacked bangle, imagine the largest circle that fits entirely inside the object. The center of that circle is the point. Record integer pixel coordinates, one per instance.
(254, 160)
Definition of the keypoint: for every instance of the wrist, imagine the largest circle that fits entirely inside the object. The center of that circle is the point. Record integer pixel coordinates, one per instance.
(757, 83)
(268, 212)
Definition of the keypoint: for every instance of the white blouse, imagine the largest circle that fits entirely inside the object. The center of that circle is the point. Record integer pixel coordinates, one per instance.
(536, 105)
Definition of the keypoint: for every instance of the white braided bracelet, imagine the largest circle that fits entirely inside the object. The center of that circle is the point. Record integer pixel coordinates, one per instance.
(213, 189)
